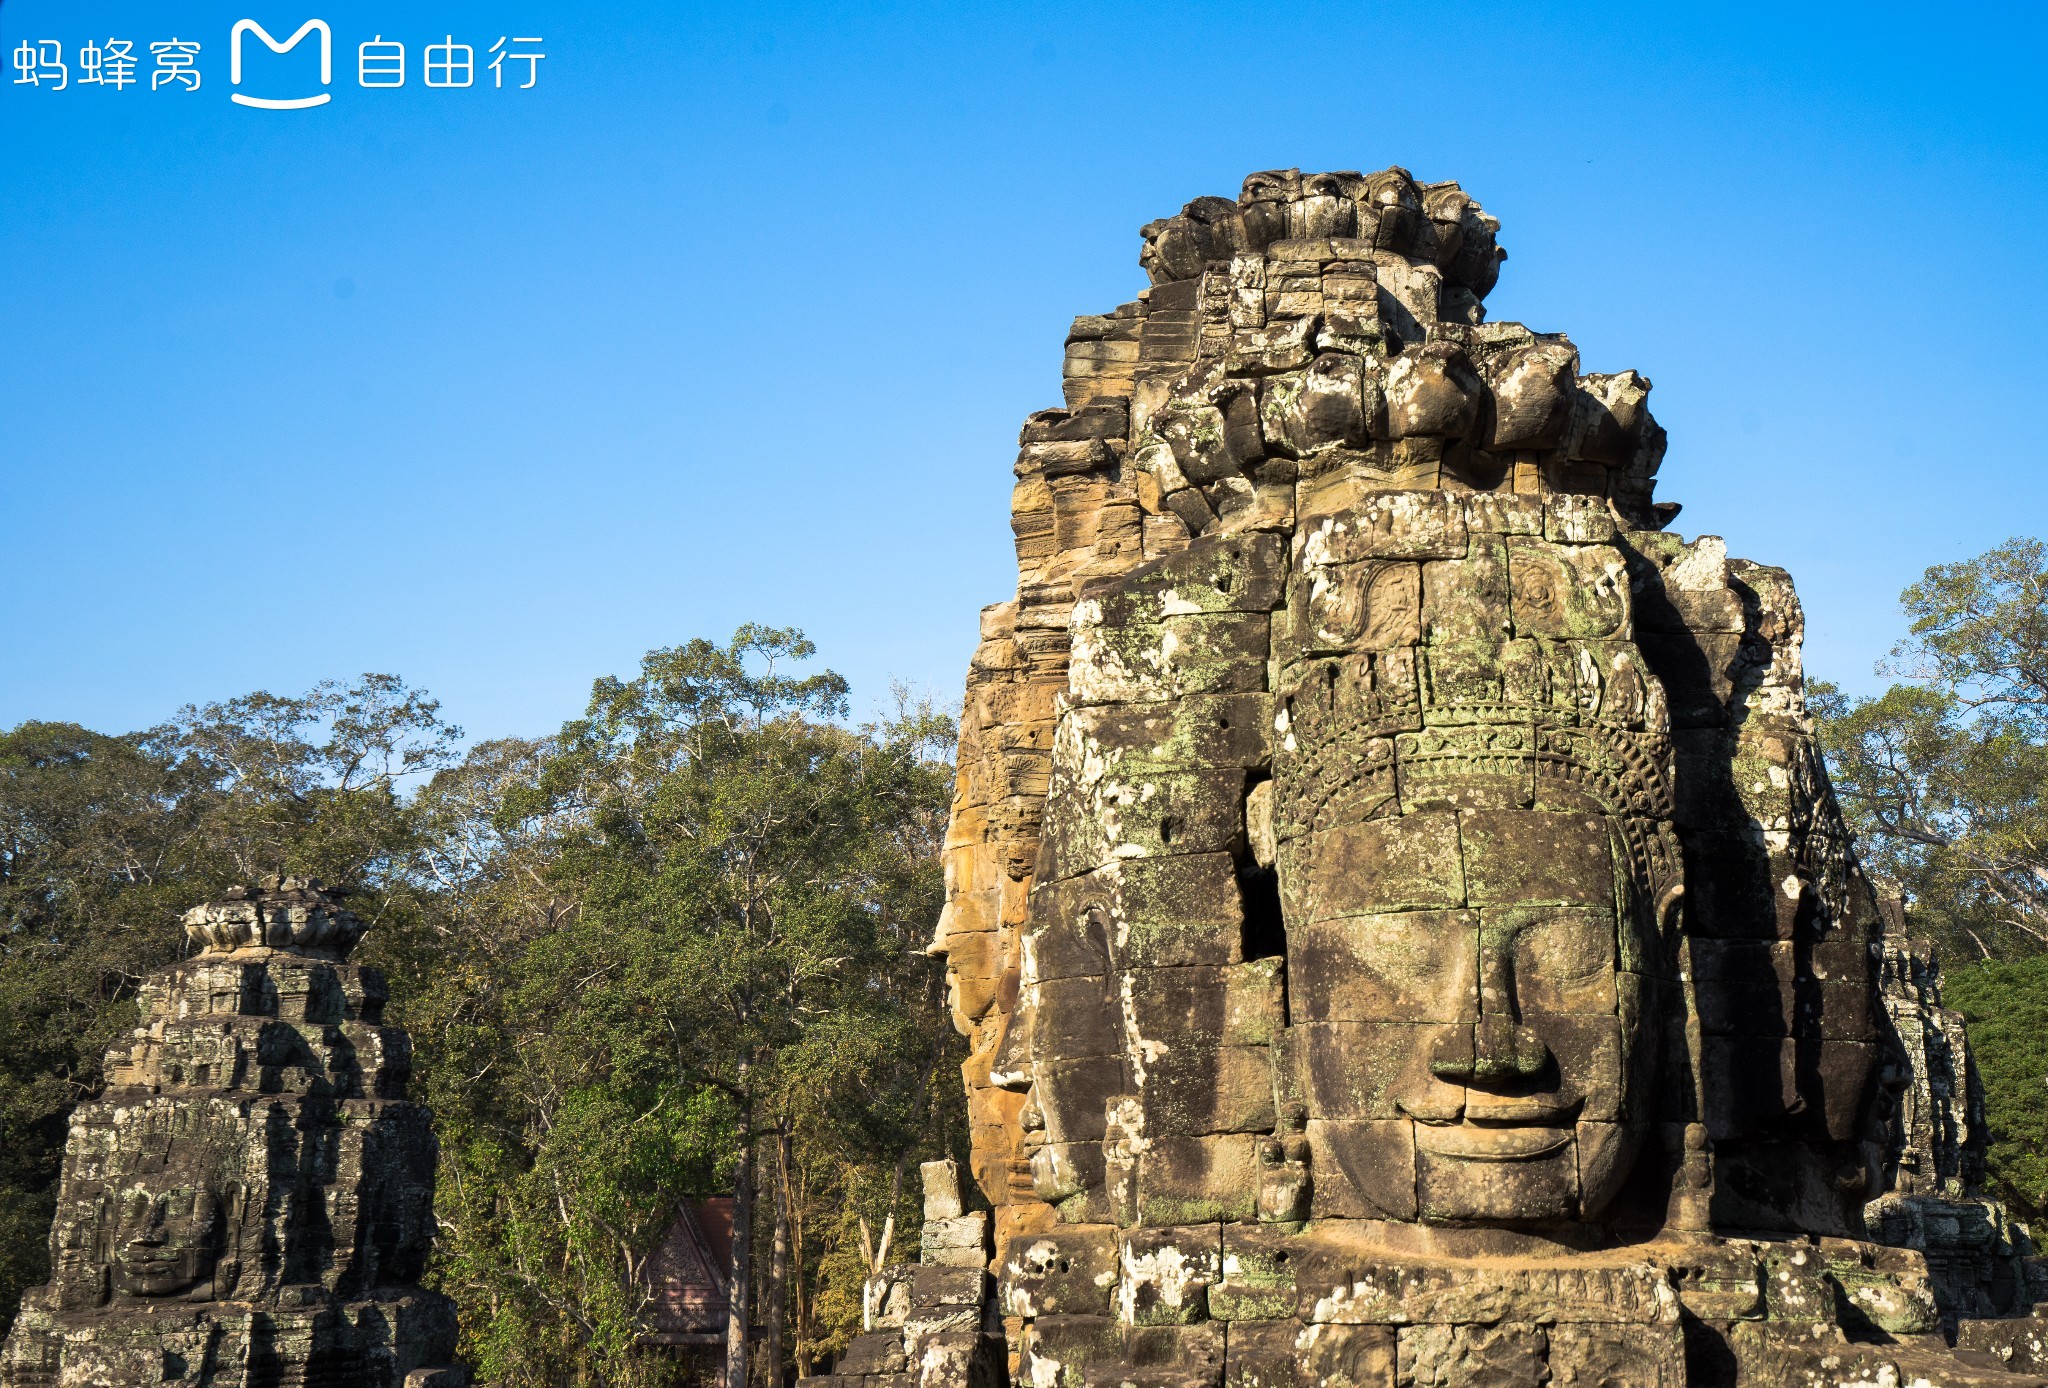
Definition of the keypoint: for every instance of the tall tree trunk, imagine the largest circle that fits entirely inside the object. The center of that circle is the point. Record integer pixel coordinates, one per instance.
(778, 1269)
(799, 1303)
(876, 1254)
(742, 1271)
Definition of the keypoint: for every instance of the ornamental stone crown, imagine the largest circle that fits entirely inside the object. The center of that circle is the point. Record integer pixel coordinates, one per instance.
(288, 913)
(1358, 213)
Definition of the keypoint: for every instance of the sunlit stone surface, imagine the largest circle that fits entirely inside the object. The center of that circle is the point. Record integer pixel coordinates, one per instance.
(1395, 898)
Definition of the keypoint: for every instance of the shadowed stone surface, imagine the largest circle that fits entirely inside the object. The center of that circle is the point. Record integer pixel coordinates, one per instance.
(250, 1202)
(1394, 895)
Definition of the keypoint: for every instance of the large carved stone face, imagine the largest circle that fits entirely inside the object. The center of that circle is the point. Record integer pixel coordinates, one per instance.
(1064, 1047)
(1469, 798)
(1467, 826)
(1473, 1041)
(164, 1242)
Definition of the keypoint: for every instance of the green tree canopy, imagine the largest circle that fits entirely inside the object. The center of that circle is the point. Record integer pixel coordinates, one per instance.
(683, 930)
(703, 903)
(1945, 775)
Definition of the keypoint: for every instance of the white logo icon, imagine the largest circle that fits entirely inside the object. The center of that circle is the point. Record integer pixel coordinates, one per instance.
(250, 26)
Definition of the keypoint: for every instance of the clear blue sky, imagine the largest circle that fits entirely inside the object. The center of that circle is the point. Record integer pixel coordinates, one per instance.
(733, 317)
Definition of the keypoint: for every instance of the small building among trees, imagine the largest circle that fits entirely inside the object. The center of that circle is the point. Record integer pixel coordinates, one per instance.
(687, 1280)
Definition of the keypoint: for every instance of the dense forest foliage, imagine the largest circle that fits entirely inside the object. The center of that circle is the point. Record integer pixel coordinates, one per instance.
(675, 949)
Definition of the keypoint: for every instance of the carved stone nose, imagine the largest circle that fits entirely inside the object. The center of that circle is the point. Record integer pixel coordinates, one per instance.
(1011, 1068)
(1502, 1051)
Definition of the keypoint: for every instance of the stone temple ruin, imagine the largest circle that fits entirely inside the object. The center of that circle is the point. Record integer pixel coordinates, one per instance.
(250, 1202)
(1402, 921)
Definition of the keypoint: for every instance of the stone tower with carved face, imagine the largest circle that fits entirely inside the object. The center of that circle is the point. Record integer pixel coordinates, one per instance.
(249, 1204)
(1394, 897)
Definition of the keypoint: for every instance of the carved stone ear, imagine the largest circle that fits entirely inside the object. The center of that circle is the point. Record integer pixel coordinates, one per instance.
(1669, 910)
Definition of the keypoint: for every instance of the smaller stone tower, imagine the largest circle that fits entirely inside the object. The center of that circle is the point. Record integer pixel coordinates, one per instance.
(251, 1201)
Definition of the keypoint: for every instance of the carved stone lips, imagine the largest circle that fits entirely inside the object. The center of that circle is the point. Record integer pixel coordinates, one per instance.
(1482, 1142)
(1499, 1127)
